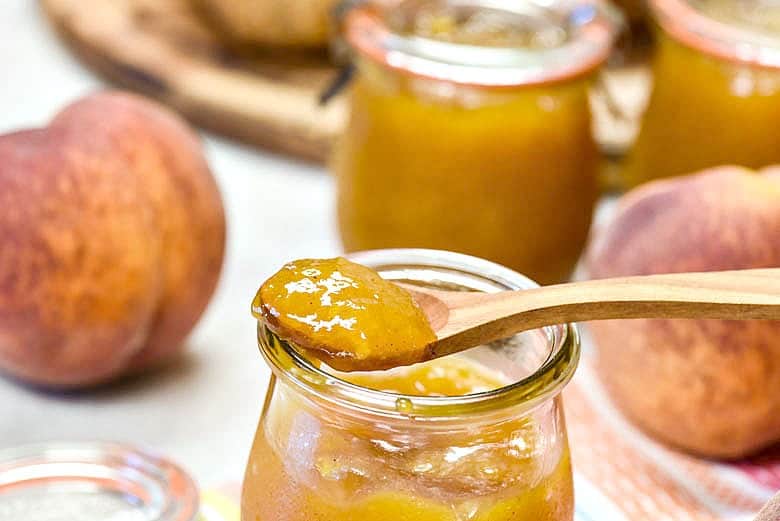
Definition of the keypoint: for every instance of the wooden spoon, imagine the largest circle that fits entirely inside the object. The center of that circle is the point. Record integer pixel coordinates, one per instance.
(771, 511)
(465, 319)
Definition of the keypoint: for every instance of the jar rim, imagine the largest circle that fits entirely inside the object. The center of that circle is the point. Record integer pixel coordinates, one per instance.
(526, 393)
(731, 42)
(594, 25)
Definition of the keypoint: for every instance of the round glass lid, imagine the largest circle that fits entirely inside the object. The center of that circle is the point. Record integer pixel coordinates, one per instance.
(492, 43)
(746, 31)
(92, 482)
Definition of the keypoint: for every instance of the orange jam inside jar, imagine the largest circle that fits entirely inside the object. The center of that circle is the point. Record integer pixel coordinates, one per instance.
(477, 436)
(716, 94)
(470, 130)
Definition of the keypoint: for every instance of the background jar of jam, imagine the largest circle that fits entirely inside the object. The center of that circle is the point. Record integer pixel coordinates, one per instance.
(470, 130)
(716, 93)
(479, 435)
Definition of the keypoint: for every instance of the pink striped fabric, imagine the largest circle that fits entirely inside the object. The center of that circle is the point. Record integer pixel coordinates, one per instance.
(623, 475)
(639, 479)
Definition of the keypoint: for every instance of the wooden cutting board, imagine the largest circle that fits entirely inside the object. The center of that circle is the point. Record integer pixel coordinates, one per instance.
(163, 49)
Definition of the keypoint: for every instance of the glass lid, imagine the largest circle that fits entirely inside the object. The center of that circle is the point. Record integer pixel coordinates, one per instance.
(761, 16)
(745, 31)
(92, 482)
(492, 43)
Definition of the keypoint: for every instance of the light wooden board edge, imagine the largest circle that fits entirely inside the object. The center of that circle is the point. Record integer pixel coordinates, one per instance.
(295, 125)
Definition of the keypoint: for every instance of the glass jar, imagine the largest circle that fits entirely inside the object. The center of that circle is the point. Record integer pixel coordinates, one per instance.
(470, 130)
(93, 481)
(342, 447)
(716, 94)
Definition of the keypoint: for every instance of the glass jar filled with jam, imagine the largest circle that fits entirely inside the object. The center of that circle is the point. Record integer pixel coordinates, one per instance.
(470, 130)
(716, 93)
(479, 435)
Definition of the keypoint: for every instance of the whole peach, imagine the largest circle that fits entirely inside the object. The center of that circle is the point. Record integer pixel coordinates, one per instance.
(711, 387)
(111, 241)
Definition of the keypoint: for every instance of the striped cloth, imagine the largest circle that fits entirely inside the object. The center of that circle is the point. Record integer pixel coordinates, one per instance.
(622, 475)
(220, 504)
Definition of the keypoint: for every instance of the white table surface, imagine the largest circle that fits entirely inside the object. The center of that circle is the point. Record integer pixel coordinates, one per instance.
(202, 412)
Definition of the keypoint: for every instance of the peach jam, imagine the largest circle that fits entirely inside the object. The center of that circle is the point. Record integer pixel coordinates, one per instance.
(479, 435)
(716, 93)
(470, 130)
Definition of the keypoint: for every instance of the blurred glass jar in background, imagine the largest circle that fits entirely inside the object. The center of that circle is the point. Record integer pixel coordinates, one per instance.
(470, 130)
(478, 436)
(716, 94)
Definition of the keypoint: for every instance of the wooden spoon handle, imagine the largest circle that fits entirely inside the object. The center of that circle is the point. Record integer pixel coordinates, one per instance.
(725, 294)
(743, 294)
(771, 511)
